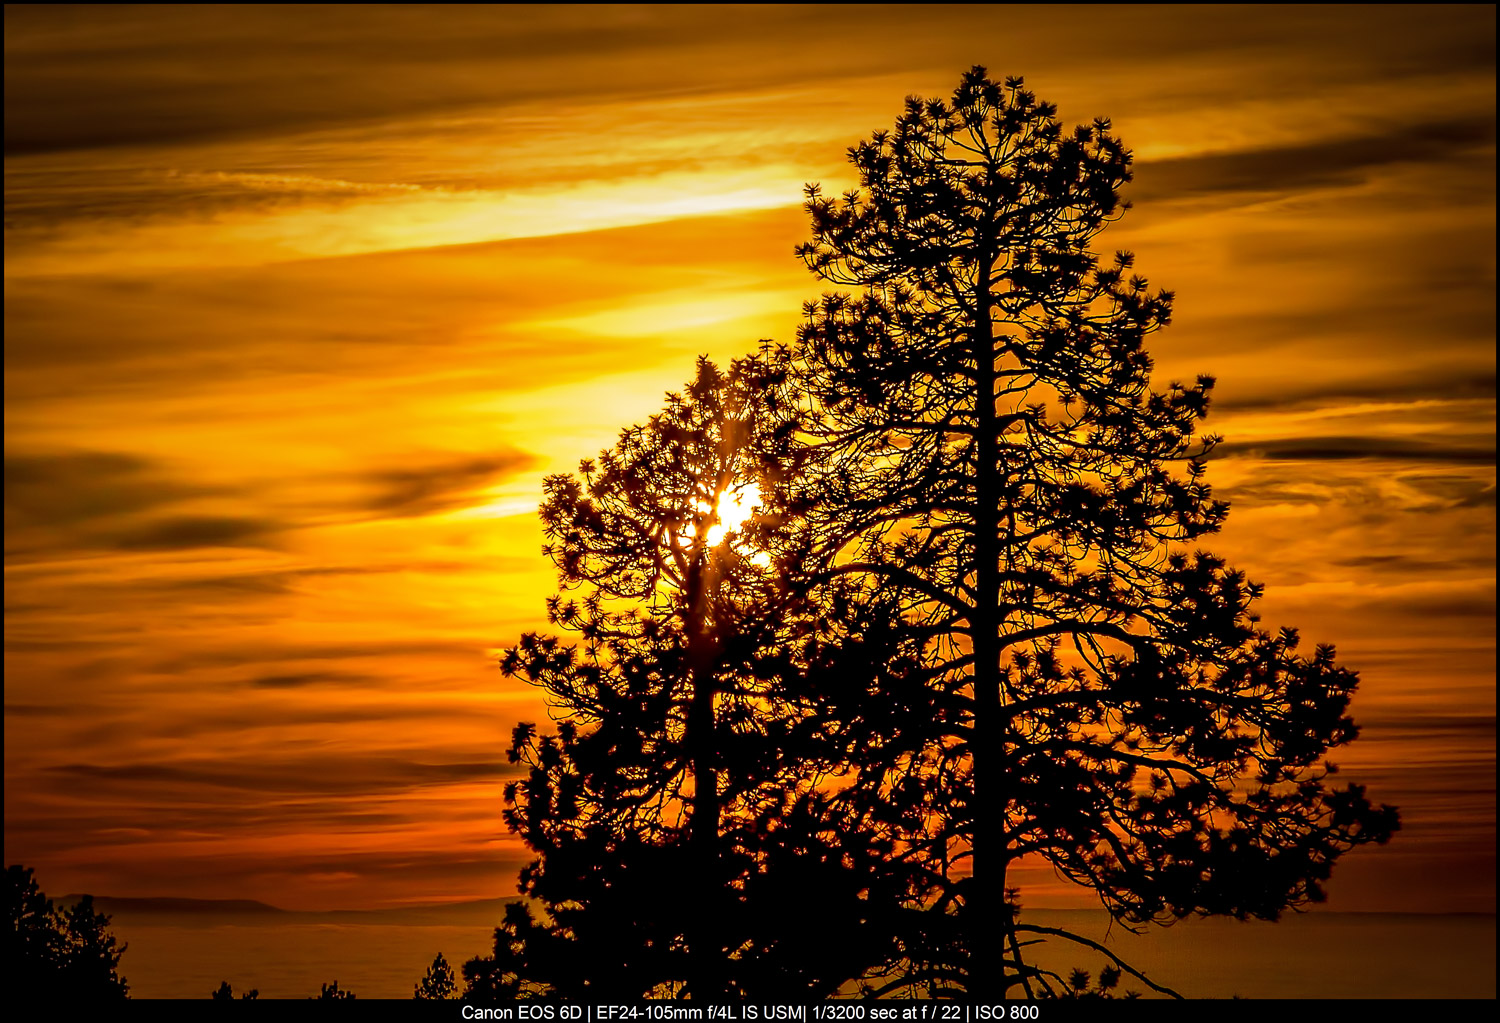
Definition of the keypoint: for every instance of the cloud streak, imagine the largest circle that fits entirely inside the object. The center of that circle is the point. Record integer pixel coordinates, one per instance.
(1317, 164)
(326, 775)
(1332, 448)
(439, 486)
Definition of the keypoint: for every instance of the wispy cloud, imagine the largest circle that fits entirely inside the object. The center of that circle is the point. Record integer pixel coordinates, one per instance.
(1322, 163)
(1312, 449)
(326, 774)
(438, 486)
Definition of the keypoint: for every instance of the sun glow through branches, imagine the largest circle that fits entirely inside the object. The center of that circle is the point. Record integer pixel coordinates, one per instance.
(735, 507)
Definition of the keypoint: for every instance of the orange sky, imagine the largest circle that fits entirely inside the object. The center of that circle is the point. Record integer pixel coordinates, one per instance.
(301, 303)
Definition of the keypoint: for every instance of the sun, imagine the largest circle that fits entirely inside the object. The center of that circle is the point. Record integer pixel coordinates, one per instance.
(735, 507)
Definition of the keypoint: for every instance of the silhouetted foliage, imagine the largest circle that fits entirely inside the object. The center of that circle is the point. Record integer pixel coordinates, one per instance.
(1097, 693)
(437, 983)
(225, 993)
(967, 625)
(332, 992)
(1076, 985)
(60, 950)
(32, 939)
(678, 810)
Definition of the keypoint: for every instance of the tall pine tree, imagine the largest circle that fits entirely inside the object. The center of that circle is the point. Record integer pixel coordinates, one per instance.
(1101, 696)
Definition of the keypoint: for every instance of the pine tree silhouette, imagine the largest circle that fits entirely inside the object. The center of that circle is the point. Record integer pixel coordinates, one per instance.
(1102, 697)
(680, 811)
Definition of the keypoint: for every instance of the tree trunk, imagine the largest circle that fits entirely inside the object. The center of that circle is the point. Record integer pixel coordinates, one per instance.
(987, 925)
(707, 980)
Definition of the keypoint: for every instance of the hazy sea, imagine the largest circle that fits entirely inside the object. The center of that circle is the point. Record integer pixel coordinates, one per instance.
(382, 954)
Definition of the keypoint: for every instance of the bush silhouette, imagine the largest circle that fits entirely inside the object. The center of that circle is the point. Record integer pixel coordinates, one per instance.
(333, 992)
(225, 993)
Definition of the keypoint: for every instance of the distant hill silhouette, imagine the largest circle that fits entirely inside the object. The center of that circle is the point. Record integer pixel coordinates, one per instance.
(476, 910)
(208, 907)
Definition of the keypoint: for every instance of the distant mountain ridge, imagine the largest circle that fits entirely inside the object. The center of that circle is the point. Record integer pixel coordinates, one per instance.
(111, 903)
(435, 912)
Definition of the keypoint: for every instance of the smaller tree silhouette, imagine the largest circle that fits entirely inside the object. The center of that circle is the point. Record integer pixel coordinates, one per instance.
(437, 983)
(31, 939)
(70, 949)
(685, 813)
(90, 959)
